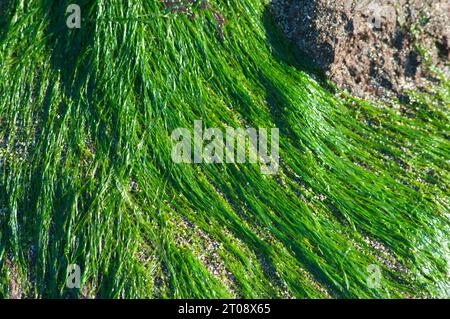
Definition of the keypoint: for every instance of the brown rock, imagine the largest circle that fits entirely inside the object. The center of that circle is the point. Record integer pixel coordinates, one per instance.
(369, 47)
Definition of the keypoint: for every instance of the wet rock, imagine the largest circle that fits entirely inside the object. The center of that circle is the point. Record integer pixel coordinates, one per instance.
(370, 47)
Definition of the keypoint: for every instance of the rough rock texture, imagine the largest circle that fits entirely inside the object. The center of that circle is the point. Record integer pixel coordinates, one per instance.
(369, 47)
(14, 286)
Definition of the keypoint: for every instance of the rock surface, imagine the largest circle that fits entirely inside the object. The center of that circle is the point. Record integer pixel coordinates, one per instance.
(370, 47)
